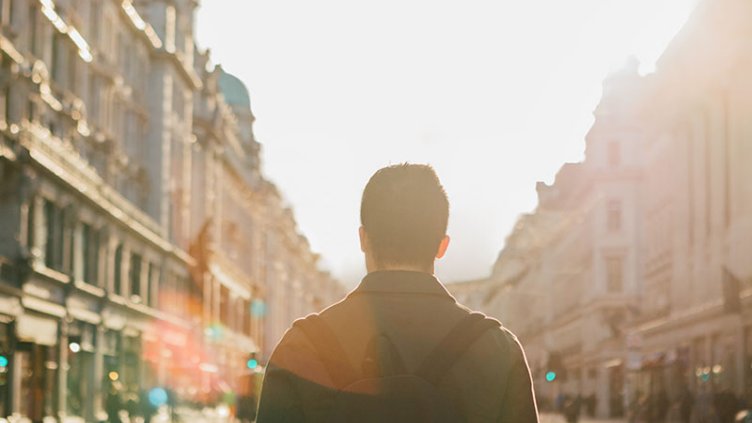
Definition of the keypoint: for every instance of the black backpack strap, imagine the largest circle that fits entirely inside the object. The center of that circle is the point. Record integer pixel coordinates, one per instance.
(328, 348)
(451, 348)
(382, 358)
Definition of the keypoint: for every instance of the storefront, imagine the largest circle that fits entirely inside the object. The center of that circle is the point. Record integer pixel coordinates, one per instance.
(81, 342)
(6, 355)
(35, 366)
(131, 355)
(111, 384)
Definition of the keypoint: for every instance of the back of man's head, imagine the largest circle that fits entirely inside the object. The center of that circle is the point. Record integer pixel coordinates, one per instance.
(404, 212)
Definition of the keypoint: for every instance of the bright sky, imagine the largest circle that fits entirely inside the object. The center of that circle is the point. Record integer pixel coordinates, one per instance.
(495, 94)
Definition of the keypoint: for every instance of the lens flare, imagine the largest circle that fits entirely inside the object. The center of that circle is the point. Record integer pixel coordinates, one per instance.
(158, 397)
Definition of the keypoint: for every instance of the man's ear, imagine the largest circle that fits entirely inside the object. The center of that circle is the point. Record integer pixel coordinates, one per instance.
(443, 245)
(363, 239)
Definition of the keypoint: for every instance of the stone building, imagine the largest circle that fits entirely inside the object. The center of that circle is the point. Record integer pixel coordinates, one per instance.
(295, 285)
(631, 276)
(225, 216)
(135, 223)
(695, 328)
(566, 280)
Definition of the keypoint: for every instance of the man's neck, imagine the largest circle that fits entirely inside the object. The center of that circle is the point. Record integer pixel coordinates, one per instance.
(401, 267)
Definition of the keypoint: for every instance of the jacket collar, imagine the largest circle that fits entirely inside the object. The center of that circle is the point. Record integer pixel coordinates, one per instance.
(401, 282)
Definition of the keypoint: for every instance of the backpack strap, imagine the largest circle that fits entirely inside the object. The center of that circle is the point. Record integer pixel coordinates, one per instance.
(451, 348)
(328, 348)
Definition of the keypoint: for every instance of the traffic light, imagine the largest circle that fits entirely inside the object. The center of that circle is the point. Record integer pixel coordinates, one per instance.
(252, 362)
(4, 361)
(554, 367)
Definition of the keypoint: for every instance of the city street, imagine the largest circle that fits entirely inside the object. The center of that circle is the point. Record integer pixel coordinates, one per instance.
(217, 416)
(155, 250)
(557, 418)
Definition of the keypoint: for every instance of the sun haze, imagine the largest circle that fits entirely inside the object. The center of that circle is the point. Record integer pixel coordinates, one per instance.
(495, 95)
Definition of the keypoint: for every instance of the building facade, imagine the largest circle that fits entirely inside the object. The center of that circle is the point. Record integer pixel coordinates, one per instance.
(695, 330)
(630, 278)
(136, 228)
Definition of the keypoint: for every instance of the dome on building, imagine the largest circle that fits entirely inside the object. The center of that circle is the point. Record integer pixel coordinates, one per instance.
(234, 90)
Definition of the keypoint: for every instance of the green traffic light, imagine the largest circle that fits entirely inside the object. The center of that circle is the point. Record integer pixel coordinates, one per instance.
(252, 363)
(3, 361)
(550, 376)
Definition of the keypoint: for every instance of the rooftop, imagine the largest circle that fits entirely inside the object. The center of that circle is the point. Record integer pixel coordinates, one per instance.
(234, 90)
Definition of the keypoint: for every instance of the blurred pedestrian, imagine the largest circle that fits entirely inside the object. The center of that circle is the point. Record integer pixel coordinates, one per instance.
(727, 405)
(246, 408)
(572, 409)
(399, 348)
(703, 410)
(113, 403)
(590, 402)
(132, 405)
(147, 409)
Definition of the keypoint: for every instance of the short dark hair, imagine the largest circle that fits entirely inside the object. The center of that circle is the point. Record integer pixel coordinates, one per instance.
(404, 212)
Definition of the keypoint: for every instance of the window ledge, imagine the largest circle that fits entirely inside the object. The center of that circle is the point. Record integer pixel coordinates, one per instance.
(90, 289)
(52, 274)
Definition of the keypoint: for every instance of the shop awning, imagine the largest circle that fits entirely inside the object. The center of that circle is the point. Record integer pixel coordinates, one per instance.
(37, 329)
(85, 315)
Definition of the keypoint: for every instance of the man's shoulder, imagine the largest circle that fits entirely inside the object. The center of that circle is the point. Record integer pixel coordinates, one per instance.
(497, 337)
(297, 338)
(296, 354)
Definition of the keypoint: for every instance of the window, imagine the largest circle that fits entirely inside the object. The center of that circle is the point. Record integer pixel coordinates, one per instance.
(154, 285)
(118, 269)
(32, 28)
(94, 98)
(90, 254)
(72, 63)
(6, 104)
(614, 274)
(224, 306)
(135, 276)
(165, 293)
(30, 225)
(31, 114)
(94, 16)
(247, 327)
(613, 215)
(614, 154)
(55, 66)
(54, 242)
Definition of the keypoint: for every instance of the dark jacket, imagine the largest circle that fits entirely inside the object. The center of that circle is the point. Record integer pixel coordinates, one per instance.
(491, 379)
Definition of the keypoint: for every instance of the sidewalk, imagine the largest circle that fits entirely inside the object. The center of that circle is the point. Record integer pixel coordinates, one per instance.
(557, 418)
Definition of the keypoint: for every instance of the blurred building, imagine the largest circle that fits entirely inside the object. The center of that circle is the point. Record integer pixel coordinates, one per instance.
(566, 281)
(140, 245)
(295, 288)
(695, 329)
(632, 276)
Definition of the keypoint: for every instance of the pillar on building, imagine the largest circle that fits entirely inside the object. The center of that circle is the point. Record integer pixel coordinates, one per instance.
(603, 393)
(62, 370)
(99, 371)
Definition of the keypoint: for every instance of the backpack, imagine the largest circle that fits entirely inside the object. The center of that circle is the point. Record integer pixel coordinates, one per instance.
(384, 391)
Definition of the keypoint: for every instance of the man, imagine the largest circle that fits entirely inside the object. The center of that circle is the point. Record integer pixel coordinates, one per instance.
(399, 347)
